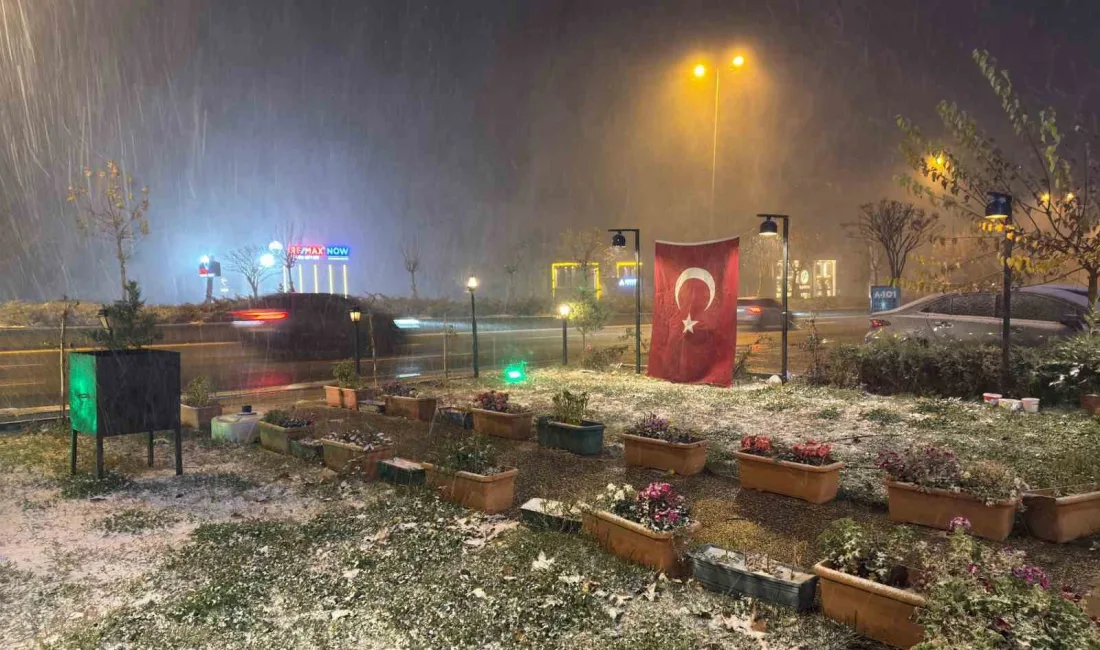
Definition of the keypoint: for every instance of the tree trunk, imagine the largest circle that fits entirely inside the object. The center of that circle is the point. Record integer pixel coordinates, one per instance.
(290, 278)
(255, 288)
(373, 349)
(1094, 280)
(121, 265)
(412, 278)
(508, 293)
(61, 358)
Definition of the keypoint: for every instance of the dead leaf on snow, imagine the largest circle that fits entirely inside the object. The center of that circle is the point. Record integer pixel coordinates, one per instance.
(478, 593)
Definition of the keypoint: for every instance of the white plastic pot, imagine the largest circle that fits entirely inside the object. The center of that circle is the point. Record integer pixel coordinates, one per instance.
(1030, 404)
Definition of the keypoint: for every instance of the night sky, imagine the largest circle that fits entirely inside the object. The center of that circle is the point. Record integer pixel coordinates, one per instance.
(477, 126)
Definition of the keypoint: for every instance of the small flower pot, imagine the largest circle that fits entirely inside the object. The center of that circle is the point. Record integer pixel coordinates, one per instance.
(514, 426)
(199, 417)
(685, 459)
(936, 508)
(635, 543)
(874, 610)
(277, 439)
(816, 484)
(585, 439)
(545, 514)
(307, 449)
(412, 408)
(401, 471)
(725, 572)
(347, 398)
(1061, 519)
(342, 457)
(1091, 403)
(490, 494)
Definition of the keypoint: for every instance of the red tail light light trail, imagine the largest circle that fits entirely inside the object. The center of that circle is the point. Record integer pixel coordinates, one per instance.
(260, 315)
(755, 311)
(879, 322)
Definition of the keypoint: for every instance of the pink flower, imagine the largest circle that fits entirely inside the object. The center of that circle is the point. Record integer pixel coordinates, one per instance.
(959, 522)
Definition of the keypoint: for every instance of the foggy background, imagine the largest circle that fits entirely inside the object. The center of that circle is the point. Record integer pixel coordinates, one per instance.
(474, 127)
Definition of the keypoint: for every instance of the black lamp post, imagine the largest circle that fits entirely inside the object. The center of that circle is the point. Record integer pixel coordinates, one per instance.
(999, 209)
(471, 286)
(563, 311)
(618, 240)
(770, 229)
(355, 314)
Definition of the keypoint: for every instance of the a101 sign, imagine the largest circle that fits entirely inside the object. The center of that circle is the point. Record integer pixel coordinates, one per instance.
(885, 298)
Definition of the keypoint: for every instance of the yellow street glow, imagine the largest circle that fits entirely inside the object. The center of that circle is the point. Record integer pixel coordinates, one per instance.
(700, 70)
(738, 61)
(939, 160)
(1069, 197)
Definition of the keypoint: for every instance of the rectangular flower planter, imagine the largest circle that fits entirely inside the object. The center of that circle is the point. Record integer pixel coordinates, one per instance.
(515, 426)
(342, 457)
(936, 508)
(489, 494)
(277, 439)
(347, 398)
(545, 514)
(458, 417)
(816, 484)
(725, 572)
(307, 449)
(685, 459)
(401, 471)
(199, 417)
(874, 610)
(413, 408)
(1061, 519)
(585, 439)
(636, 543)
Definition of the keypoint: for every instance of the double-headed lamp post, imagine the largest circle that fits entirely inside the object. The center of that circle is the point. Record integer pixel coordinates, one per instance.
(700, 71)
(770, 229)
(471, 286)
(563, 311)
(618, 242)
(999, 210)
(356, 314)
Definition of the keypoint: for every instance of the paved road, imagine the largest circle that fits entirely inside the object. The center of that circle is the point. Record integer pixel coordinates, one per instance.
(31, 377)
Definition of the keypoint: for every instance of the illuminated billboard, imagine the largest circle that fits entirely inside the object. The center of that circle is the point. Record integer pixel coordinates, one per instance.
(327, 253)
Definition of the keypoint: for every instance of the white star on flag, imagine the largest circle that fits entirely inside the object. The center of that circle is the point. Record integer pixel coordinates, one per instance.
(689, 325)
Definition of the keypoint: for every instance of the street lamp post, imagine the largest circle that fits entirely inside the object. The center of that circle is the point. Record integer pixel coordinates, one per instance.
(355, 314)
(701, 71)
(618, 241)
(999, 209)
(471, 286)
(563, 310)
(769, 229)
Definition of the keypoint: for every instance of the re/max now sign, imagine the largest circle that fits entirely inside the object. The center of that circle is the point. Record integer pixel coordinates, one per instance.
(315, 252)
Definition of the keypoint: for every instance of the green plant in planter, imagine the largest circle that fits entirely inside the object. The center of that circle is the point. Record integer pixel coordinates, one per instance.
(129, 325)
(198, 392)
(286, 419)
(345, 375)
(470, 454)
(569, 407)
(399, 389)
(850, 547)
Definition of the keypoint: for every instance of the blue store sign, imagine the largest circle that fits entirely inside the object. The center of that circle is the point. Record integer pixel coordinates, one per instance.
(885, 298)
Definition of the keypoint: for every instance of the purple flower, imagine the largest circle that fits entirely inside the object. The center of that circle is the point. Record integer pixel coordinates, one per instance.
(959, 522)
(1032, 576)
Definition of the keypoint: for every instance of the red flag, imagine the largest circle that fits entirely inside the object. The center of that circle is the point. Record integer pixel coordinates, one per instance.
(694, 312)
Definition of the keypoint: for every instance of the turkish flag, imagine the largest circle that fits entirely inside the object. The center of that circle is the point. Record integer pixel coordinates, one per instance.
(694, 312)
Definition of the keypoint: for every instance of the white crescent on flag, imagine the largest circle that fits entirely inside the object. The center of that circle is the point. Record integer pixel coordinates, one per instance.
(695, 273)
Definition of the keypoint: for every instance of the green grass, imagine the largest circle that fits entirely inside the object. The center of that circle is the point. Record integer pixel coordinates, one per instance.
(829, 413)
(136, 520)
(85, 485)
(883, 416)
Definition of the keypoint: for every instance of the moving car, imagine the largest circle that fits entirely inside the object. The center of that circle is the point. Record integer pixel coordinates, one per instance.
(313, 326)
(761, 313)
(1039, 314)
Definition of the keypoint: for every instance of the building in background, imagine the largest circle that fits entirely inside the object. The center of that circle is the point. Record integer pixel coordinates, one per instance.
(816, 279)
(567, 277)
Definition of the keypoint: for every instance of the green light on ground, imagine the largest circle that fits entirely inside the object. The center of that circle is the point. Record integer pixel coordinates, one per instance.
(515, 373)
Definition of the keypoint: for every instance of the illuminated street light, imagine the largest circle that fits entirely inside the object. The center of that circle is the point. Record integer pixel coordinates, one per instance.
(355, 314)
(618, 242)
(563, 311)
(471, 286)
(700, 71)
(267, 260)
(275, 246)
(205, 259)
(999, 208)
(738, 61)
(771, 229)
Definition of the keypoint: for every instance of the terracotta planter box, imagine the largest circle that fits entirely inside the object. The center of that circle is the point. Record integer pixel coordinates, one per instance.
(636, 543)
(342, 457)
(807, 482)
(585, 439)
(199, 417)
(874, 610)
(683, 458)
(515, 426)
(936, 508)
(309, 450)
(347, 398)
(413, 408)
(489, 494)
(278, 439)
(1061, 519)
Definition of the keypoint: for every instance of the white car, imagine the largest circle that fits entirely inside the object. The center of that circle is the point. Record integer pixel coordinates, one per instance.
(1039, 314)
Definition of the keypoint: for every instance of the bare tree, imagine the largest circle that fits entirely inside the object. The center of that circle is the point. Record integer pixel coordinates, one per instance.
(107, 209)
(290, 236)
(246, 261)
(584, 247)
(411, 254)
(899, 228)
(511, 267)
